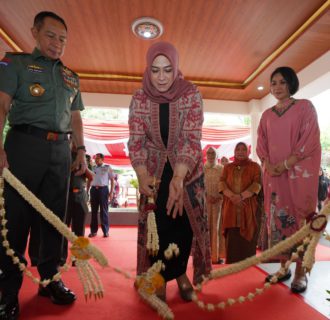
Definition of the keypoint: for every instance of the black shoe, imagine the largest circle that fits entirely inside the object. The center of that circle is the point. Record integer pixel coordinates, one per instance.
(287, 276)
(57, 292)
(9, 308)
(92, 235)
(106, 235)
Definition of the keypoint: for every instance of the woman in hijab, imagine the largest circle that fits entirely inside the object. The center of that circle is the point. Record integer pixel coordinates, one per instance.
(213, 171)
(240, 183)
(165, 123)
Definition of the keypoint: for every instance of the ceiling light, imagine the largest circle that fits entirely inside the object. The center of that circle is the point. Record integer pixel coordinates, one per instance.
(147, 28)
(260, 88)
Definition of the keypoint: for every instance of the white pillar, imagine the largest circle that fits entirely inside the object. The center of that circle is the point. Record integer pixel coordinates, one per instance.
(255, 114)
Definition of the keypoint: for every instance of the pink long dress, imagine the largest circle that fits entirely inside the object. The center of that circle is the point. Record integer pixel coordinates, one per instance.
(290, 197)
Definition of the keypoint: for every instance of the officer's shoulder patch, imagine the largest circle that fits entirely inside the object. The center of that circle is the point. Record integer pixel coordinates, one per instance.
(9, 56)
(69, 72)
(13, 55)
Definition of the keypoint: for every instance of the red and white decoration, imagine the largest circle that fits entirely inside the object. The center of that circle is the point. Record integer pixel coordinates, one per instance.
(110, 138)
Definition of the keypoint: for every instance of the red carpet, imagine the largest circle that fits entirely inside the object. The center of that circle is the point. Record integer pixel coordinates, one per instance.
(121, 301)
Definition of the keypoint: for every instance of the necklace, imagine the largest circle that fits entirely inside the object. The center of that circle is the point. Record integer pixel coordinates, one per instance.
(281, 109)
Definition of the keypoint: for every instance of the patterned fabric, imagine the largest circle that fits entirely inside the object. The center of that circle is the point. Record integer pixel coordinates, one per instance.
(290, 197)
(146, 148)
(241, 215)
(212, 179)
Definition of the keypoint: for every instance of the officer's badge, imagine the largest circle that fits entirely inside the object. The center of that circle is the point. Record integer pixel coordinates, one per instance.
(37, 90)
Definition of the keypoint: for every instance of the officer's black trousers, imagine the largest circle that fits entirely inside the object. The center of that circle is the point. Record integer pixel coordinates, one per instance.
(75, 216)
(43, 167)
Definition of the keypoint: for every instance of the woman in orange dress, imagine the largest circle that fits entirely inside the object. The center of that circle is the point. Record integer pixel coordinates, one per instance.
(240, 183)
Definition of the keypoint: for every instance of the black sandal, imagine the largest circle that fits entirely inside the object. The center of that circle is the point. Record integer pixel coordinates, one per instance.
(287, 276)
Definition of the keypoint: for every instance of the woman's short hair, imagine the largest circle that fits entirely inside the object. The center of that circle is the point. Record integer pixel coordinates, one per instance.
(290, 77)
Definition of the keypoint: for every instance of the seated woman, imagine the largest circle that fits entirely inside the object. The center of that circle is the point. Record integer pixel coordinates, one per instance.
(240, 183)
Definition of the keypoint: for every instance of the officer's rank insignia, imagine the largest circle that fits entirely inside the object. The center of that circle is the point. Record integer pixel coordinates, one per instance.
(35, 69)
(37, 90)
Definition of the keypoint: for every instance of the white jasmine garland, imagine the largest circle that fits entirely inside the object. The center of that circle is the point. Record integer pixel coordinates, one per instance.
(307, 235)
(171, 250)
(87, 273)
(152, 235)
(92, 284)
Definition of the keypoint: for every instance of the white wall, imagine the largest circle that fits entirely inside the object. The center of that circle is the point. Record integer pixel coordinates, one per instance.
(314, 79)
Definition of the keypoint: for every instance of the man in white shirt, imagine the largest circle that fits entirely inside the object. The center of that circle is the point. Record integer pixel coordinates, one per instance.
(100, 196)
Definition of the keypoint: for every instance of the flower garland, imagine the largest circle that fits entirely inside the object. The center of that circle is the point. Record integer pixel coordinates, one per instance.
(152, 233)
(309, 234)
(81, 249)
(149, 282)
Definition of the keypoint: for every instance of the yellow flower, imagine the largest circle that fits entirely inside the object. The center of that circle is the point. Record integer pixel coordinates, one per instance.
(81, 242)
(157, 280)
(78, 247)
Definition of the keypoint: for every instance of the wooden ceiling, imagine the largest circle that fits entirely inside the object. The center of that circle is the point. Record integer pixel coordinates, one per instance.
(228, 47)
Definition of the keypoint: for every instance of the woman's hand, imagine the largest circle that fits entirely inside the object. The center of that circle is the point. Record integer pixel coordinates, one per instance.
(175, 199)
(246, 194)
(235, 198)
(271, 169)
(146, 184)
(280, 168)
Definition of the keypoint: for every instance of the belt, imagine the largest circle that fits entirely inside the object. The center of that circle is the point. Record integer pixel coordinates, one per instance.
(41, 133)
(99, 187)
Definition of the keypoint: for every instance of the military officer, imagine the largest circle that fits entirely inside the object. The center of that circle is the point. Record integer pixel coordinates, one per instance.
(42, 100)
(100, 195)
(77, 201)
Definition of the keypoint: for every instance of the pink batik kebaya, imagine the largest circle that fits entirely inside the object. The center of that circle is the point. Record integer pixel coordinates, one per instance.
(291, 196)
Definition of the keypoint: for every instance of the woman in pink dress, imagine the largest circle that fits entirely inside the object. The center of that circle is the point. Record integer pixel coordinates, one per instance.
(289, 149)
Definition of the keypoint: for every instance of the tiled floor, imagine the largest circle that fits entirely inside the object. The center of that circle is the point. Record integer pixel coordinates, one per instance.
(318, 282)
